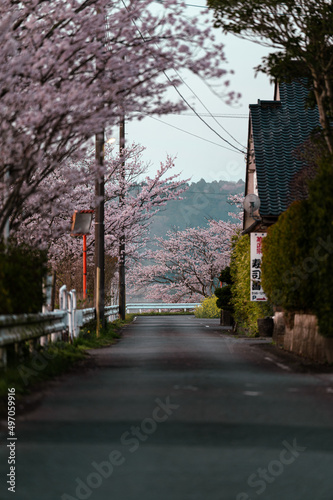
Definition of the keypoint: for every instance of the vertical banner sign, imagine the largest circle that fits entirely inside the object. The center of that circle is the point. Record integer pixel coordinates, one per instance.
(257, 293)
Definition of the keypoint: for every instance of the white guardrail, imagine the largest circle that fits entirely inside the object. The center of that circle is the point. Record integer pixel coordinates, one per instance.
(47, 327)
(160, 306)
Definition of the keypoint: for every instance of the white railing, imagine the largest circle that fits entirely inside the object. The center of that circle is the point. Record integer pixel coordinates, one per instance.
(161, 306)
(43, 328)
(50, 326)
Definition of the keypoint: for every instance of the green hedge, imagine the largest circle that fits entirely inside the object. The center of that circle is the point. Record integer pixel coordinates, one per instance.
(246, 312)
(320, 225)
(285, 260)
(297, 253)
(22, 270)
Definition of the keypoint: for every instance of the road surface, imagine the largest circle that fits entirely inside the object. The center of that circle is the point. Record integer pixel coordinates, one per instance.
(177, 410)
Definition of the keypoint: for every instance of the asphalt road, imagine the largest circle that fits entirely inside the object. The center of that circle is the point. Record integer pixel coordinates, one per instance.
(176, 410)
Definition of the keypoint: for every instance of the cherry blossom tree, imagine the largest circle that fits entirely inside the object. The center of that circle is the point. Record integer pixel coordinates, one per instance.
(237, 200)
(186, 265)
(131, 200)
(72, 67)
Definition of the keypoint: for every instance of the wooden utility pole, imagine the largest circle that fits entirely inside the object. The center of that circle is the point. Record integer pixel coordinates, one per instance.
(6, 229)
(99, 237)
(122, 249)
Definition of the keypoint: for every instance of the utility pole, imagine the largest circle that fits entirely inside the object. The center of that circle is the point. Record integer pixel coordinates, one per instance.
(99, 236)
(6, 229)
(122, 250)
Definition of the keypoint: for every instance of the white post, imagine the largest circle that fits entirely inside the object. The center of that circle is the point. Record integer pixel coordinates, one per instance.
(74, 315)
(70, 314)
(47, 290)
(62, 298)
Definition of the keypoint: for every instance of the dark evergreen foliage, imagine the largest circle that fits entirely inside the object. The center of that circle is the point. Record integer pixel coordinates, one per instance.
(22, 269)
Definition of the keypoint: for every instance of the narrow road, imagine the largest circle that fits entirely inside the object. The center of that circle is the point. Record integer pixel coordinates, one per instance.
(178, 411)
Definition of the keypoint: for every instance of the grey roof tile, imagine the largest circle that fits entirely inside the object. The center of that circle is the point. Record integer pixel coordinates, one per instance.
(279, 127)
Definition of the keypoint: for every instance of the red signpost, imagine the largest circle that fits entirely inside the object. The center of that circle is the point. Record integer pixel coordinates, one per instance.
(81, 222)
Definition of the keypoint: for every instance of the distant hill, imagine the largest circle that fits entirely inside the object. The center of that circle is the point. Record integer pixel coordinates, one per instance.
(201, 202)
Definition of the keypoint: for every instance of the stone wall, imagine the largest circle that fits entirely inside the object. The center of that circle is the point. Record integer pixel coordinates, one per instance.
(298, 333)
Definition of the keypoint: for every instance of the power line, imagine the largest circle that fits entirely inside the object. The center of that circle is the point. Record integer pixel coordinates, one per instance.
(183, 98)
(213, 115)
(189, 191)
(200, 117)
(194, 135)
(209, 113)
(187, 5)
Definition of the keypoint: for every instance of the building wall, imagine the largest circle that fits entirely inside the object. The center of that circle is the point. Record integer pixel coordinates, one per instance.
(298, 333)
(251, 177)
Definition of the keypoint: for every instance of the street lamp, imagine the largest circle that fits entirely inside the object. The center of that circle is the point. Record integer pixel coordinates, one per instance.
(81, 223)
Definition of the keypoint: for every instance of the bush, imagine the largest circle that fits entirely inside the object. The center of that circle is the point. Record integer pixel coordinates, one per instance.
(285, 251)
(208, 308)
(297, 253)
(224, 294)
(22, 269)
(320, 231)
(246, 312)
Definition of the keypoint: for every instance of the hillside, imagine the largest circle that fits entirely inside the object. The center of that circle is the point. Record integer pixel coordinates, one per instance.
(202, 201)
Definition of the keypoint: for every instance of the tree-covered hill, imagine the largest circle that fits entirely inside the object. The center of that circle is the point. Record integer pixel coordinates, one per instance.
(201, 202)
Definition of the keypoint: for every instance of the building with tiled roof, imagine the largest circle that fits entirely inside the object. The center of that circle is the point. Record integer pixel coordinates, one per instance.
(276, 129)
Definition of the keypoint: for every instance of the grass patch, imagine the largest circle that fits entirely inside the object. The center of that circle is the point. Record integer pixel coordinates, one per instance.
(107, 336)
(46, 363)
(50, 361)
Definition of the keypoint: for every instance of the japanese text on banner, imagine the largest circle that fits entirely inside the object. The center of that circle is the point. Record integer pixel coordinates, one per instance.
(257, 293)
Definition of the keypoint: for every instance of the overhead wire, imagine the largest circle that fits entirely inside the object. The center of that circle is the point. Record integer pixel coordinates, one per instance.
(200, 117)
(216, 115)
(194, 135)
(187, 4)
(185, 100)
(208, 111)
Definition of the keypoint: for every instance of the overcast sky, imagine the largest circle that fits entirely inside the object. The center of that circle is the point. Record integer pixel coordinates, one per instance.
(197, 158)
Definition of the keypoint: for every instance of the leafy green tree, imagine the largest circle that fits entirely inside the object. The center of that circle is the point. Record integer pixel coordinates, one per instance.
(301, 31)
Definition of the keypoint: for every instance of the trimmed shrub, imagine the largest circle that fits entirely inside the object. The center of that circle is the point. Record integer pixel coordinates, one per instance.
(22, 270)
(208, 308)
(320, 231)
(286, 260)
(224, 294)
(297, 253)
(246, 312)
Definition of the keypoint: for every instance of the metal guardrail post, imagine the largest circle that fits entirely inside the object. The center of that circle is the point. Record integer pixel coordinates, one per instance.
(70, 314)
(63, 298)
(74, 315)
(47, 289)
